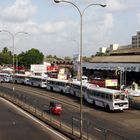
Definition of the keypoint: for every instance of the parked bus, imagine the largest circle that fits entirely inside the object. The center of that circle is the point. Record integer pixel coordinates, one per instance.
(5, 77)
(108, 98)
(37, 81)
(58, 85)
(20, 78)
(75, 88)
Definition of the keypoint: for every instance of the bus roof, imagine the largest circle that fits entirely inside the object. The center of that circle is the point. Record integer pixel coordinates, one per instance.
(5, 74)
(78, 83)
(37, 76)
(104, 90)
(58, 80)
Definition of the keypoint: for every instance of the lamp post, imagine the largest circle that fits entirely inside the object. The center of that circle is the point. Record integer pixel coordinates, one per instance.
(122, 77)
(13, 45)
(81, 13)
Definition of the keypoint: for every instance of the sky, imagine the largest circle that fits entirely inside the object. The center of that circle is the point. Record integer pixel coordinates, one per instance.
(54, 28)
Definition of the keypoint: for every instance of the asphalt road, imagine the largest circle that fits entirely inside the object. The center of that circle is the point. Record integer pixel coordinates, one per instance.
(126, 123)
(17, 125)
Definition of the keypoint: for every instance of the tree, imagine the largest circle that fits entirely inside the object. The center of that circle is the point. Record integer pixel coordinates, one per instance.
(32, 56)
(5, 56)
(67, 58)
(100, 54)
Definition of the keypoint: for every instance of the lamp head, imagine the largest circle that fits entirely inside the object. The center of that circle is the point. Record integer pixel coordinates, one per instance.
(103, 5)
(58, 1)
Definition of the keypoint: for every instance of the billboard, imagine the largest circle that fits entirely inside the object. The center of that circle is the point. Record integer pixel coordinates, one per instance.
(111, 83)
(38, 68)
(52, 68)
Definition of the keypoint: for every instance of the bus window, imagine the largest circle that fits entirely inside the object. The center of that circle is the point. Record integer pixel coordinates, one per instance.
(117, 96)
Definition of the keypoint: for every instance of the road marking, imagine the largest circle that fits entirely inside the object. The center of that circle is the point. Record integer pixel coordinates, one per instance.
(35, 119)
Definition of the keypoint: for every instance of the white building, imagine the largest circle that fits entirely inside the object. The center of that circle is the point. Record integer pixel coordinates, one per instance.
(103, 50)
(136, 40)
(135, 44)
(114, 47)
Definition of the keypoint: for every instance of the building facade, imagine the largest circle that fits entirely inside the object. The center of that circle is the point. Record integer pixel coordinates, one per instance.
(125, 68)
(136, 40)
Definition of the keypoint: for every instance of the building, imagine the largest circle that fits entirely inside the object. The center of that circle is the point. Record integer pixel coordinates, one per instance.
(103, 50)
(121, 62)
(136, 40)
(125, 68)
(135, 43)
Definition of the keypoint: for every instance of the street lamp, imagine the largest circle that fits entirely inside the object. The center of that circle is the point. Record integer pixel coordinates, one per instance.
(122, 77)
(13, 45)
(81, 13)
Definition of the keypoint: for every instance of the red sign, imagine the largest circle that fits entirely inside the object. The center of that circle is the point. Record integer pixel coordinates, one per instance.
(52, 68)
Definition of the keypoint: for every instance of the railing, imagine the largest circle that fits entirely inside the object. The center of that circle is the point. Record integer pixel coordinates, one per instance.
(69, 126)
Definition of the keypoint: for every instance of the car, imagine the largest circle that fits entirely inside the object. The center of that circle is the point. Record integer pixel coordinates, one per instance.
(55, 108)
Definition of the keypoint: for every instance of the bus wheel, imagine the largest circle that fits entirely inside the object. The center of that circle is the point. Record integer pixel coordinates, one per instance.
(107, 108)
(61, 91)
(84, 99)
(51, 88)
(74, 93)
(93, 103)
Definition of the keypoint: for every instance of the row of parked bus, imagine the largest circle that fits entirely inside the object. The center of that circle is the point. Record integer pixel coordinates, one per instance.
(108, 98)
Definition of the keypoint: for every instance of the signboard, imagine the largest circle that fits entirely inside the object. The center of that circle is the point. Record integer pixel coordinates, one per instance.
(52, 68)
(111, 82)
(62, 76)
(38, 68)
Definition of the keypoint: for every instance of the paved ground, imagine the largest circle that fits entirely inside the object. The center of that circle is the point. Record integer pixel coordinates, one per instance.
(15, 125)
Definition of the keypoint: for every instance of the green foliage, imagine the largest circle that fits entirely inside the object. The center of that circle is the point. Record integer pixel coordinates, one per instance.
(32, 56)
(5, 56)
(67, 58)
(51, 58)
(100, 54)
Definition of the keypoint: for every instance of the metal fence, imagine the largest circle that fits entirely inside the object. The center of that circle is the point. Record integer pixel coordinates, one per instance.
(69, 126)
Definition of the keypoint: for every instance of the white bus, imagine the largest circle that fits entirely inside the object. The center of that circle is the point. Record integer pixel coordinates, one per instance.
(108, 98)
(58, 85)
(5, 77)
(75, 88)
(37, 81)
(20, 78)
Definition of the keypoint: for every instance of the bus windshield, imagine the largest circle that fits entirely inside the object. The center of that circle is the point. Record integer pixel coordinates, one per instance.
(120, 97)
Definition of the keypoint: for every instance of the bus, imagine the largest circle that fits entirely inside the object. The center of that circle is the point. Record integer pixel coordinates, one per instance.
(37, 81)
(75, 88)
(20, 78)
(58, 85)
(5, 77)
(110, 99)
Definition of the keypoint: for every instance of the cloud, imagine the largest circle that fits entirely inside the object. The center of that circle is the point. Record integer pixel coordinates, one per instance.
(58, 32)
(102, 25)
(52, 27)
(20, 11)
(116, 5)
(138, 18)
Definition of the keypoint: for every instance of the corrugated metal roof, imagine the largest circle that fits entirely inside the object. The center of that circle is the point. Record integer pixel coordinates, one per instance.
(116, 59)
(126, 51)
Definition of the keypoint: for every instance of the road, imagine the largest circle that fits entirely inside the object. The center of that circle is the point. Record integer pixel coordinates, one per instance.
(124, 123)
(18, 125)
